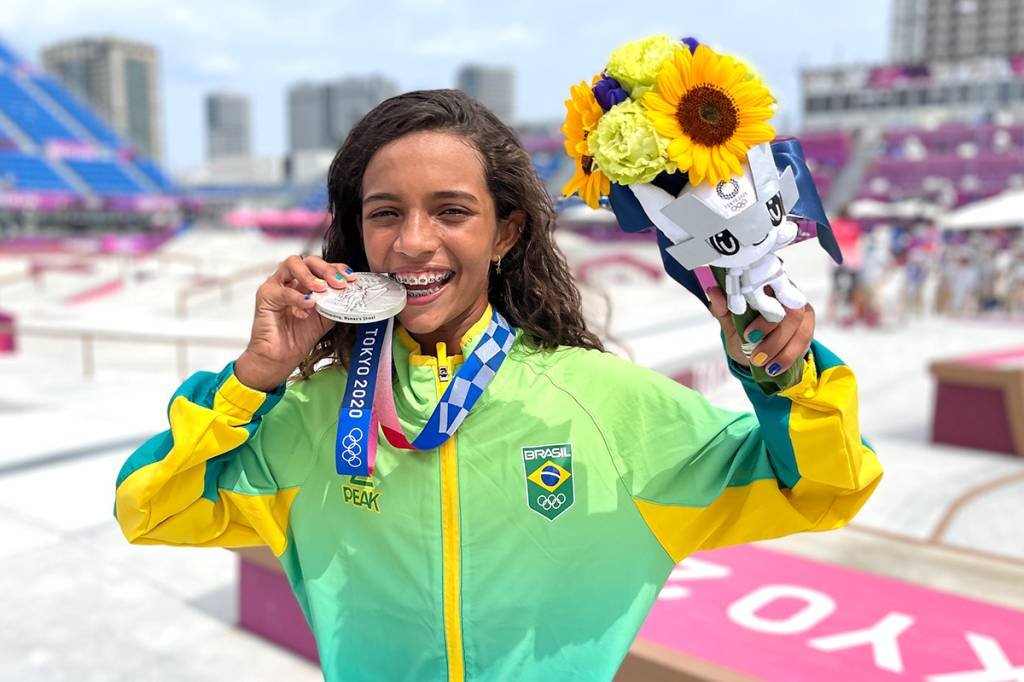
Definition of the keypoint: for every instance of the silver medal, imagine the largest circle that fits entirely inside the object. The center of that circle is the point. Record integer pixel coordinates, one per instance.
(370, 298)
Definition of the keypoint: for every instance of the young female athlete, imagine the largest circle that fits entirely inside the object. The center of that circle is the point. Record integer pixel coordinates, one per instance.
(531, 544)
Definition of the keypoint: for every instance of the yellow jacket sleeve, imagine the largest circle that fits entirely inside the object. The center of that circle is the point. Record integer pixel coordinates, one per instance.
(703, 477)
(224, 474)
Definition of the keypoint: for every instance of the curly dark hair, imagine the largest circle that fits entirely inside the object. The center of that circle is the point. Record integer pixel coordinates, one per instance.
(534, 290)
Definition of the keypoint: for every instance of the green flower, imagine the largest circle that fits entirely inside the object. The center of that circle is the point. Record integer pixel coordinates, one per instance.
(626, 147)
(635, 65)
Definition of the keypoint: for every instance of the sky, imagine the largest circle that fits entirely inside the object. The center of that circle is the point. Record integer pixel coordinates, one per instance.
(260, 47)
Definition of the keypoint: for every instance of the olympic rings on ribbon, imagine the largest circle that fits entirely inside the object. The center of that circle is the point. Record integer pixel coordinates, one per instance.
(549, 502)
(352, 447)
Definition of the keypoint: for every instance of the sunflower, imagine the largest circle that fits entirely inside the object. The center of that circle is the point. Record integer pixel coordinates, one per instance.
(581, 115)
(712, 110)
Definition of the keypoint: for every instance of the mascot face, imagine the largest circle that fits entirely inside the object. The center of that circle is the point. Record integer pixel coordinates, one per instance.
(733, 223)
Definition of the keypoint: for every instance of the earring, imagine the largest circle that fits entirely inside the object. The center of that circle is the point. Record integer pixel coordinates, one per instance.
(497, 265)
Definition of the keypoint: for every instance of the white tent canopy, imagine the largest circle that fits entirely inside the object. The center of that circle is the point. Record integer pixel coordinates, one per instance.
(907, 209)
(1003, 210)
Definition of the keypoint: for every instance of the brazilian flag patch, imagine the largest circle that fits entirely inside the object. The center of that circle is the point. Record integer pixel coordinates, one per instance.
(549, 484)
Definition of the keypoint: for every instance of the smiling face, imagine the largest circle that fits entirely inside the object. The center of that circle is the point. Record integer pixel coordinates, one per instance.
(429, 219)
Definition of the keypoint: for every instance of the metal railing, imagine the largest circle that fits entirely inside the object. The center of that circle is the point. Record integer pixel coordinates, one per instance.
(224, 282)
(89, 337)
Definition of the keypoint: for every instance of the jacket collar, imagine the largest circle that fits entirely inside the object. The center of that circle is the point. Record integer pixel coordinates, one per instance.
(468, 341)
(417, 385)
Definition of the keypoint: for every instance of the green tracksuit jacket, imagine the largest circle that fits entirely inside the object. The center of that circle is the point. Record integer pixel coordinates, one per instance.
(528, 547)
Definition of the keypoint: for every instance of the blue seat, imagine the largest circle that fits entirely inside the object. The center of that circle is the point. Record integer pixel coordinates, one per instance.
(315, 200)
(29, 173)
(157, 176)
(28, 114)
(105, 177)
(79, 111)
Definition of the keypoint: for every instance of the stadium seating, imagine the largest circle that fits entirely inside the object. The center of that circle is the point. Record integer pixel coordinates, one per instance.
(826, 154)
(78, 110)
(48, 131)
(24, 171)
(951, 137)
(28, 114)
(156, 175)
(315, 199)
(104, 177)
(962, 162)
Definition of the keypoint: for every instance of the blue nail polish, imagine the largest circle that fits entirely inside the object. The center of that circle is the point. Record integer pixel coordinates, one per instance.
(755, 336)
(307, 296)
(348, 271)
(774, 369)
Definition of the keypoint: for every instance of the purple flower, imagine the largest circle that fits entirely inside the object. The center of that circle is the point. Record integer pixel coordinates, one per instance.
(608, 92)
(691, 43)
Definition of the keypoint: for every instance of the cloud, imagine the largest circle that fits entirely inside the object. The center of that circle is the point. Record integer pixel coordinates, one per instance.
(186, 19)
(475, 42)
(216, 64)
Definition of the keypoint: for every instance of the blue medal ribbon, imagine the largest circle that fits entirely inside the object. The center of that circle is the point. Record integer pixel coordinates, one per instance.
(356, 427)
(368, 396)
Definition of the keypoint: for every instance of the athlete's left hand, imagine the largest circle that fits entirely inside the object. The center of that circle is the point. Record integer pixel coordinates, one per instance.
(778, 345)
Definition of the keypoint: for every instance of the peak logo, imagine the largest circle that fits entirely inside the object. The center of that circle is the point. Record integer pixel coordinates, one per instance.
(360, 493)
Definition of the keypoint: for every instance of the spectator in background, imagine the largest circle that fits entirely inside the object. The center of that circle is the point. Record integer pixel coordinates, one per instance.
(962, 281)
(845, 300)
(875, 274)
(899, 273)
(1015, 279)
(917, 271)
(984, 253)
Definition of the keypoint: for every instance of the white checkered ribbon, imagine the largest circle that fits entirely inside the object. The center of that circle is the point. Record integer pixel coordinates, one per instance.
(462, 393)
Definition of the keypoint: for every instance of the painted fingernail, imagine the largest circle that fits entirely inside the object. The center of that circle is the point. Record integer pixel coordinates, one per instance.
(755, 335)
(759, 358)
(348, 271)
(337, 275)
(307, 296)
(774, 369)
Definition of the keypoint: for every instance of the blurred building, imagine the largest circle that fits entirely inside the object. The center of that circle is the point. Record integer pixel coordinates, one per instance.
(493, 86)
(228, 126)
(931, 30)
(320, 115)
(237, 170)
(349, 99)
(307, 117)
(954, 60)
(120, 79)
(887, 95)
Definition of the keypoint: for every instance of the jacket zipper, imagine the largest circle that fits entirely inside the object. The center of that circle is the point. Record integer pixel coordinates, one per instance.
(450, 540)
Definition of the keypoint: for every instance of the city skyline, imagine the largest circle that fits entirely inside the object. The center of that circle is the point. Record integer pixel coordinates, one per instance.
(228, 125)
(422, 44)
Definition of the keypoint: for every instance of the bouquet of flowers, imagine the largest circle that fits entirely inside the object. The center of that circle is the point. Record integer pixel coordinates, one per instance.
(661, 106)
(677, 137)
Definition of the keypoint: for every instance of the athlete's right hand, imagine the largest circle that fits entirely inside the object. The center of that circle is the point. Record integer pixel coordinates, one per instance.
(286, 326)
